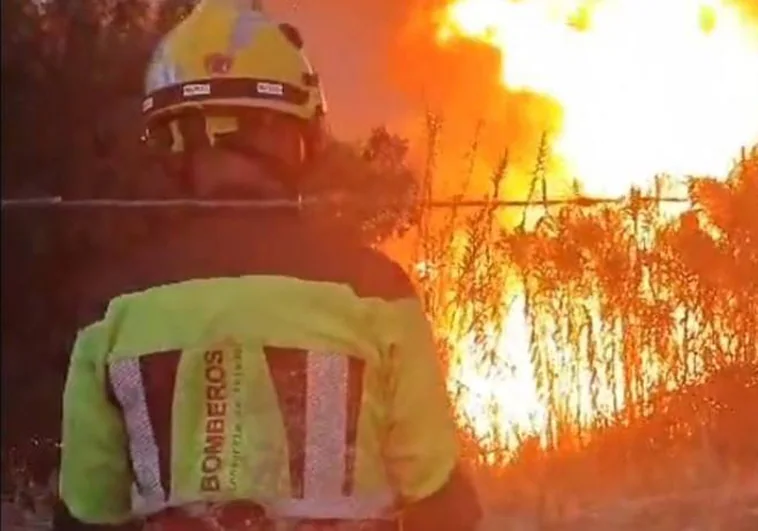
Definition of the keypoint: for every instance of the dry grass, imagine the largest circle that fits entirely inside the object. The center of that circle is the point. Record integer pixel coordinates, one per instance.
(642, 337)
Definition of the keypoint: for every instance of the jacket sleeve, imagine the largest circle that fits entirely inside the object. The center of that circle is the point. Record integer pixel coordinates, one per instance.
(422, 449)
(95, 476)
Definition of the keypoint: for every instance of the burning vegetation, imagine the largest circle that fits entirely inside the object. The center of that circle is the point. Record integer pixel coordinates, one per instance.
(595, 347)
(642, 89)
(603, 352)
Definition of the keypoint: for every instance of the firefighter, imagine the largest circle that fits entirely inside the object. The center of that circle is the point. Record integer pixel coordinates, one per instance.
(253, 370)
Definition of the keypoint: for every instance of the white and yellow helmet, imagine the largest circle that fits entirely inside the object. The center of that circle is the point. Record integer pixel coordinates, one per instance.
(225, 59)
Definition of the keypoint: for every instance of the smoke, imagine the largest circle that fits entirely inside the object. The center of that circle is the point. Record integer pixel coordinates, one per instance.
(460, 81)
(381, 64)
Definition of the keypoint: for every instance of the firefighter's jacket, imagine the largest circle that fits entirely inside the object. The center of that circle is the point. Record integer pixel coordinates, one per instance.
(248, 356)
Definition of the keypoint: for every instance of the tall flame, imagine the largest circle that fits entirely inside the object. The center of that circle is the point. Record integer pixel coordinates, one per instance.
(646, 86)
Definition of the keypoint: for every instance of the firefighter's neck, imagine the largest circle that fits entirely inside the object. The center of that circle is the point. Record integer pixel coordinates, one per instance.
(220, 174)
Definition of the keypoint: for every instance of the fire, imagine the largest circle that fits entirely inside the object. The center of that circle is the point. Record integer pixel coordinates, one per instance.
(499, 401)
(504, 402)
(646, 87)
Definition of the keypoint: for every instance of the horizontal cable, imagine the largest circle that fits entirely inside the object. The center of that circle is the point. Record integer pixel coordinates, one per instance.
(58, 202)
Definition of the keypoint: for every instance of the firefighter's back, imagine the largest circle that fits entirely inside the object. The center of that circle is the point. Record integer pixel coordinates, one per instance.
(250, 357)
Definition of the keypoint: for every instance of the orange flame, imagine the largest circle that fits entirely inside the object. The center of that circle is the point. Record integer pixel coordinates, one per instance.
(646, 86)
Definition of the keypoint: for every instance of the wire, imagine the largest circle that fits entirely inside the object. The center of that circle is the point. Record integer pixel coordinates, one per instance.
(254, 204)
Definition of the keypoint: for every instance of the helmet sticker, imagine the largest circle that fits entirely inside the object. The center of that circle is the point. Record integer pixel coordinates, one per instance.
(218, 63)
(245, 27)
(196, 89)
(270, 89)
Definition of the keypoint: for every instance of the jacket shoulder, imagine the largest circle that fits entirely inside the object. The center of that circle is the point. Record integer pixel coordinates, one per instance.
(377, 275)
(240, 247)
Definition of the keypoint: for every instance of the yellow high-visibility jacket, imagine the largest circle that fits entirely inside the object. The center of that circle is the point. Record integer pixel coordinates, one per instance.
(249, 356)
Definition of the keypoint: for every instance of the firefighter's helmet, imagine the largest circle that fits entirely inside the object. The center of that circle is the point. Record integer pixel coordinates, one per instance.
(224, 65)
